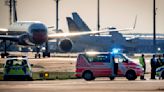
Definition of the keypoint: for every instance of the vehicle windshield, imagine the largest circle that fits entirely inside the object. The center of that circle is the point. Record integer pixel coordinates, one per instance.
(129, 59)
(16, 62)
(121, 58)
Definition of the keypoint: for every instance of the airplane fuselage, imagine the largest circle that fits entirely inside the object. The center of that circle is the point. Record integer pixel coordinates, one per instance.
(29, 32)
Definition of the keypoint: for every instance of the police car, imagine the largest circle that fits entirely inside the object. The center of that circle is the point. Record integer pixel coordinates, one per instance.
(17, 68)
(160, 72)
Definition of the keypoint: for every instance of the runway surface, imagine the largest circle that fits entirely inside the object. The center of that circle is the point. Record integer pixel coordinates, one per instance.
(80, 85)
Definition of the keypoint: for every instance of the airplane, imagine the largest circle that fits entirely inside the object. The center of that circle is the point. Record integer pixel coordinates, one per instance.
(87, 42)
(139, 44)
(84, 27)
(32, 33)
(78, 24)
(35, 33)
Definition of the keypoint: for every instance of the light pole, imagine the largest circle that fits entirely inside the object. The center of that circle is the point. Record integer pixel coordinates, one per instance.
(154, 25)
(8, 3)
(57, 15)
(98, 15)
(47, 52)
(12, 10)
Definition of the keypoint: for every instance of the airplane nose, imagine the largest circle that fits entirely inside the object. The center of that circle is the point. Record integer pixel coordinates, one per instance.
(39, 37)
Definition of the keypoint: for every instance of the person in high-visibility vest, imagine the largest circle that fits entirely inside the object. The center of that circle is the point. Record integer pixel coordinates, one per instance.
(142, 63)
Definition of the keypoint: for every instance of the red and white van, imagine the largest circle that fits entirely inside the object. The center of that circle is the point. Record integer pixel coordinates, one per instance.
(105, 64)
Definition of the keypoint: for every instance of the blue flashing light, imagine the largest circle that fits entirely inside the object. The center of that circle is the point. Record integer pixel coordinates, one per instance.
(115, 51)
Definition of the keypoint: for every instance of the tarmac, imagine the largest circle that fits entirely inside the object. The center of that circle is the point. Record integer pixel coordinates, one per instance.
(80, 85)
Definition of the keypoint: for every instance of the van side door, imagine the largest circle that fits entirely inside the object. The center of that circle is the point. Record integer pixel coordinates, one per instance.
(122, 64)
(100, 65)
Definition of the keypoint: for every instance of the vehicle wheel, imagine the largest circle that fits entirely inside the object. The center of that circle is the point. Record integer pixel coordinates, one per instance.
(112, 77)
(39, 55)
(29, 78)
(49, 54)
(131, 75)
(5, 78)
(162, 75)
(36, 56)
(46, 54)
(2, 56)
(88, 76)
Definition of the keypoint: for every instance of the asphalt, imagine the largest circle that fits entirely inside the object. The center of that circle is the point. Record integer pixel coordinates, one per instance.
(80, 85)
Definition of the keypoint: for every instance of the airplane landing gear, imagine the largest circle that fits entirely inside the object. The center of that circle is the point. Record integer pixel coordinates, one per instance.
(5, 54)
(37, 55)
(46, 53)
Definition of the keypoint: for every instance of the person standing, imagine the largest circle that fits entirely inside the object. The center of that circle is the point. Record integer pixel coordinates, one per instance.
(163, 60)
(153, 67)
(142, 63)
(159, 61)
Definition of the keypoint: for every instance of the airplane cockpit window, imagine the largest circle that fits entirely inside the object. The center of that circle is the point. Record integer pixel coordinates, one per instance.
(38, 30)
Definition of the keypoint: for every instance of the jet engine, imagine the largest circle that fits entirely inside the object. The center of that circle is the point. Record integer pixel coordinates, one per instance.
(24, 40)
(65, 45)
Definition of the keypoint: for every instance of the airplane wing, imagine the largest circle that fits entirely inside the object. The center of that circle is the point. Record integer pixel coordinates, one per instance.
(9, 37)
(60, 35)
(3, 31)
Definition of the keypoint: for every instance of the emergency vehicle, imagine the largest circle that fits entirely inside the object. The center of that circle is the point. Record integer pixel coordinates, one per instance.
(160, 72)
(105, 64)
(17, 68)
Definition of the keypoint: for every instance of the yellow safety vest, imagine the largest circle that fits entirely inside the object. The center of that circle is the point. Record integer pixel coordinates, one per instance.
(141, 60)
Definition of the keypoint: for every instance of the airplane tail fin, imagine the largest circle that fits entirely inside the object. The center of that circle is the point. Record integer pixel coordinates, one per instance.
(72, 26)
(80, 23)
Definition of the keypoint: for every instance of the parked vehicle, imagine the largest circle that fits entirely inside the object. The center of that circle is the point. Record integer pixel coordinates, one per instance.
(17, 68)
(160, 72)
(105, 64)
